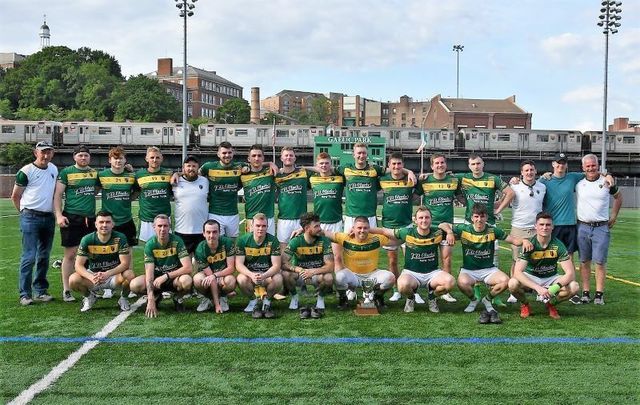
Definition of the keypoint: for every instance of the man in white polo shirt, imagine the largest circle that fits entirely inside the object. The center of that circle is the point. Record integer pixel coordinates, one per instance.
(191, 210)
(594, 224)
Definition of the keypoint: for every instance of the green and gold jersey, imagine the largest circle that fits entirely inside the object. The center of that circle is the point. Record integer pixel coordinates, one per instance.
(224, 184)
(257, 257)
(439, 195)
(217, 260)
(327, 197)
(478, 248)
(166, 258)
(292, 199)
(308, 255)
(361, 257)
(361, 189)
(116, 194)
(543, 261)
(259, 193)
(155, 193)
(421, 251)
(481, 190)
(80, 190)
(103, 256)
(397, 201)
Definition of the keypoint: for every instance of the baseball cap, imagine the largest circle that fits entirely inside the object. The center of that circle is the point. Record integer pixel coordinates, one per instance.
(560, 157)
(81, 148)
(191, 158)
(44, 145)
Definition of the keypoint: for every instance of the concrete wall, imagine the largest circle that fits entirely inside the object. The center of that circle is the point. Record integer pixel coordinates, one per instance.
(6, 184)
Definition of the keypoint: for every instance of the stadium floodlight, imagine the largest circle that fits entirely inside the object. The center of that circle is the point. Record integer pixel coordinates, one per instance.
(457, 49)
(185, 7)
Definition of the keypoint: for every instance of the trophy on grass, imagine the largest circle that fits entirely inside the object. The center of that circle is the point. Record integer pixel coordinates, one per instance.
(260, 293)
(367, 307)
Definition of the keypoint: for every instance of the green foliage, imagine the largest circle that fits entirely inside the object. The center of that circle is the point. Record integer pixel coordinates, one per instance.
(16, 154)
(143, 99)
(234, 111)
(196, 122)
(5, 109)
(318, 114)
(269, 117)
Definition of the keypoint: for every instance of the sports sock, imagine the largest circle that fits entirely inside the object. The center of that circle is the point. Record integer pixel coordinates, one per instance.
(432, 293)
(585, 293)
(476, 292)
(599, 294)
(486, 301)
(266, 302)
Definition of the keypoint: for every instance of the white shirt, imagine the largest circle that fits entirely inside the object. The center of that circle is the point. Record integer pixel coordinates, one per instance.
(593, 199)
(526, 206)
(38, 192)
(192, 208)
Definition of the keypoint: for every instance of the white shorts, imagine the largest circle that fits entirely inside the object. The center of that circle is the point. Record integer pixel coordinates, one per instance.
(348, 222)
(271, 226)
(480, 275)
(345, 278)
(335, 227)
(109, 284)
(285, 228)
(423, 279)
(543, 282)
(314, 281)
(229, 224)
(147, 231)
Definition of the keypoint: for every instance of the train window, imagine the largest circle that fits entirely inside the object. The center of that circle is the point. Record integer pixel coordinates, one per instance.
(629, 139)
(104, 130)
(376, 133)
(542, 138)
(474, 136)
(8, 129)
(146, 131)
(48, 131)
(467, 136)
(414, 135)
(504, 137)
(282, 133)
(242, 132)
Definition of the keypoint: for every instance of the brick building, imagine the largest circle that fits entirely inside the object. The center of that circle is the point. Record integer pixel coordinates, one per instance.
(623, 124)
(287, 101)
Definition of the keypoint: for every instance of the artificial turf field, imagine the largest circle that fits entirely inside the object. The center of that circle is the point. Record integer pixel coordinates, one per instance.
(591, 355)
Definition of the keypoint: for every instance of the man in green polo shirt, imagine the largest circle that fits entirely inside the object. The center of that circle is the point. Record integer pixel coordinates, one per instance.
(537, 270)
(155, 187)
(167, 268)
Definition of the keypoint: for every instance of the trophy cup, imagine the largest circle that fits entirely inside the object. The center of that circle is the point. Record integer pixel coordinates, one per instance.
(367, 306)
(260, 293)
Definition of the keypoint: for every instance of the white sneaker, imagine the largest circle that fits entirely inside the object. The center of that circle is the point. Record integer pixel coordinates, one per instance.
(409, 305)
(320, 302)
(205, 304)
(251, 306)
(224, 304)
(123, 303)
(132, 295)
(67, 297)
(448, 297)
(107, 293)
(351, 295)
(294, 301)
(88, 301)
(433, 306)
(395, 297)
(538, 298)
(472, 306)
(512, 299)
(419, 299)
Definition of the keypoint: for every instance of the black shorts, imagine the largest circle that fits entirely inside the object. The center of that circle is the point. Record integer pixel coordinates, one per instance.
(167, 286)
(191, 240)
(567, 234)
(78, 227)
(129, 230)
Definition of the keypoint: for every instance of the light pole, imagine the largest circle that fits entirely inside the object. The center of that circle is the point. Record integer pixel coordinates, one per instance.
(609, 21)
(457, 49)
(186, 10)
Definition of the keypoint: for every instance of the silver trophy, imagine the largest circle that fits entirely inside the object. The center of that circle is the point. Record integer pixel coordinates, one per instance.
(367, 306)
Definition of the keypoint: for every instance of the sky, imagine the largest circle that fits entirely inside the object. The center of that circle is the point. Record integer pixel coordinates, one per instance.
(550, 55)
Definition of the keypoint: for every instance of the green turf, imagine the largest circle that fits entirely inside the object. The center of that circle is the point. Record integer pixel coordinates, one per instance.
(375, 373)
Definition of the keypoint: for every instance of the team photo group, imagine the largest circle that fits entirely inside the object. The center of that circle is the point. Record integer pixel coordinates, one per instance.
(197, 249)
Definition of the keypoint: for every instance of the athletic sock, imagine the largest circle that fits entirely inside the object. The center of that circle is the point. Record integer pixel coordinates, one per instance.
(554, 301)
(486, 301)
(585, 293)
(432, 293)
(599, 294)
(476, 292)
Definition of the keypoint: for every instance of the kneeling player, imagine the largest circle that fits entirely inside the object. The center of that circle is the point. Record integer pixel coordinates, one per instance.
(102, 262)
(215, 258)
(421, 260)
(537, 270)
(167, 268)
(308, 259)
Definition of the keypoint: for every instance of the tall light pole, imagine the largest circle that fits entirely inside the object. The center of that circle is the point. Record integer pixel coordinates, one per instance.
(609, 21)
(457, 49)
(186, 10)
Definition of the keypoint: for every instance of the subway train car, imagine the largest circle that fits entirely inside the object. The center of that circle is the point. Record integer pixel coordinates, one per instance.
(30, 131)
(122, 133)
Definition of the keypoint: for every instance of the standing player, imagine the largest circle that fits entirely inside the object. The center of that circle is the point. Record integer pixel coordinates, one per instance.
(154, 183)
(439, 190)
(78, 184)
(167, 267)
(258, 263)
(259, 189)
(102, 263)
(215, 259)
(32, 196)
(292, 183)
(537, 270)
(421, 260)
(190, 194)
(308, 259)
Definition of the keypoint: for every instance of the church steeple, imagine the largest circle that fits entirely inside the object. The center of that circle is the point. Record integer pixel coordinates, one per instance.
(45, 34)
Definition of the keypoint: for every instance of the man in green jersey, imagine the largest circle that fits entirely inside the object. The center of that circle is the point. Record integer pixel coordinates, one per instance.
(478, 242)
(439, 192)
(78, 184)
(167, 268)
(102, 263)
(258, 263)
(397, 207)
(259, 189)
(308, 259)
(215, 262)
(421, 267)
(292, 183)
(537, 270)
(154, 183)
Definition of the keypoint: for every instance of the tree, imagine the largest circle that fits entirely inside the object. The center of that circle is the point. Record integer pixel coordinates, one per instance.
(16, 154)
(5, 109)
(144, 99)
(234, 111)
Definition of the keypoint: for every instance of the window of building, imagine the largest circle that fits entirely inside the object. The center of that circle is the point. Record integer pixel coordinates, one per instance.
(324, 149)
(404, 117)
(385, 111)
(394, 110)
(190, 96)
(504, 137)
(189, 111)
(413, 110)
(146, 131)
(375, 151)
(413, 122)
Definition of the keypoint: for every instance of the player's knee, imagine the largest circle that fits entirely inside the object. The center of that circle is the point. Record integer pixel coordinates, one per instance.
(448, 282)
(75, 281)
(229, 283)
(137, 285)
(327, 279)
(341, 279)
(388, 280)
(514, 285)
(573, 288)
(184, 282)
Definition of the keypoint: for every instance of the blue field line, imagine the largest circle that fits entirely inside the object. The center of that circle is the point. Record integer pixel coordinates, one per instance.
(329, 340)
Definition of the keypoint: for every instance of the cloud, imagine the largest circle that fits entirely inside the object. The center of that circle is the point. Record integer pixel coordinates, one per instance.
(566, 48)
(583, 94)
